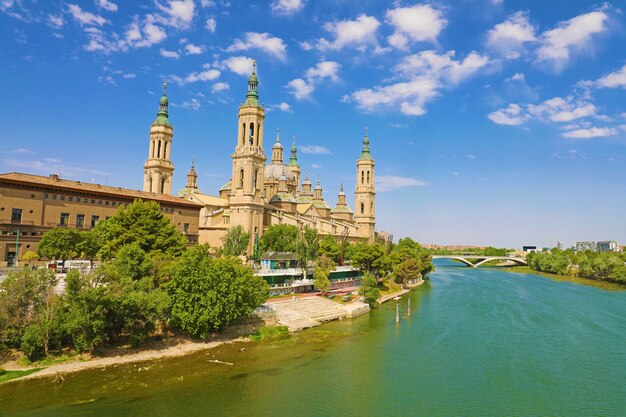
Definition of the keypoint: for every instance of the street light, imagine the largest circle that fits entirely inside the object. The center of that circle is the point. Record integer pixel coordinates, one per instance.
(17, 249)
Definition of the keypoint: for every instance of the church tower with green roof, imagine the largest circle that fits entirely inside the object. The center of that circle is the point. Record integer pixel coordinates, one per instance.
(365, 194)
(246, 199)
(159, 169)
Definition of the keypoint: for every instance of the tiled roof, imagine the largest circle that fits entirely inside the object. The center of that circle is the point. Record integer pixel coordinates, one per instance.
(283, 197)
(58, 183)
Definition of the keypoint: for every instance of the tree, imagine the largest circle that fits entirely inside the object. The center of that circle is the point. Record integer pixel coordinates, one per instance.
(279, 238)
(89, 245)
(321, 273)
(30, 256)
(364, 255)
(331, 248)
(60, 243)
(307, 247)
(144, 223)
(235, 242)
(132, 262)
(408, 270)
(209, 293)
(369, 289)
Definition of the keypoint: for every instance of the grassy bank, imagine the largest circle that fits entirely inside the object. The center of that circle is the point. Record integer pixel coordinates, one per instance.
(566, 278)
(8, 375)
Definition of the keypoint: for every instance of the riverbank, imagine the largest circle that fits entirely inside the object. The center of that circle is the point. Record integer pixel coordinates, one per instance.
(606, 285)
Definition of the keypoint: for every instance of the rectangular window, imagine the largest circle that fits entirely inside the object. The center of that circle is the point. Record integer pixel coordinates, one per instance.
(106, 203)
(70, 198)
(94, 220)
(186, 228)
(16, 216)
(114, 204)
(62, 198)
(54, 196)
(93, 201)
(100, 202)
(80, 220)
(45, 195)
(65, 219)
(78, 199)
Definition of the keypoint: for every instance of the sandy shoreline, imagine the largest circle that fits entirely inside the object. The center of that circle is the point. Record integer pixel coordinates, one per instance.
(181, 349)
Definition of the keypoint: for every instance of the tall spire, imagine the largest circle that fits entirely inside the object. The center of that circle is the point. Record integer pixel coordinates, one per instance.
(162, 115)
(365, 152)
(192, 177)
(252, 98)
(293, 160)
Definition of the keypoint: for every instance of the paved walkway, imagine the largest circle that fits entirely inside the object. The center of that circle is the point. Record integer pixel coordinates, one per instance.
(308, 312)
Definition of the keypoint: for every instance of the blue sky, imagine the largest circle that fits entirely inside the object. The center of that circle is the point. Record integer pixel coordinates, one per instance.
(494, 122)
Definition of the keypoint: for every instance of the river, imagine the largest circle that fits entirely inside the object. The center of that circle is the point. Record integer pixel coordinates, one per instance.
(479, 342)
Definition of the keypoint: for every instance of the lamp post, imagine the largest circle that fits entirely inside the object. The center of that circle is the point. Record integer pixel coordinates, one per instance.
(17, 249)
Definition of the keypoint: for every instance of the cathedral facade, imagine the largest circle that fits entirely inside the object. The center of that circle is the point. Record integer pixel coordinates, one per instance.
(262, 193)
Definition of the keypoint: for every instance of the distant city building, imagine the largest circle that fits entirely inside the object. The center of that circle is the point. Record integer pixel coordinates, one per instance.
(559, 245)
(585, 246)
(608, 246)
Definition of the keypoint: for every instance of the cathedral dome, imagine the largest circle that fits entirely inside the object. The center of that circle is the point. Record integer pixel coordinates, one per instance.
(274, 172)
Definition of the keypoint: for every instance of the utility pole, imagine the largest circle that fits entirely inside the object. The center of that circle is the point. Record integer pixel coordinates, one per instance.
(17, 249)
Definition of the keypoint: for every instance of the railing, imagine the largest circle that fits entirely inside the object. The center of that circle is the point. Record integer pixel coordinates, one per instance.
(284, 271)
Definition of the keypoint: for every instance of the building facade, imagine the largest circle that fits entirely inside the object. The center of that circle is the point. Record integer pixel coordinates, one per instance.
(30, 205)
(261, 194)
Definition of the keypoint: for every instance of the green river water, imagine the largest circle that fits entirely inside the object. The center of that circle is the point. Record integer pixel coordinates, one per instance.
(479, 342)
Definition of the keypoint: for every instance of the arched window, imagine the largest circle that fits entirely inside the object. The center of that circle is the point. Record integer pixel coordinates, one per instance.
(368, 177)
(159, 150)
(251, 134)
(241, 178)
(153, 148)
(362, 208)
(162, 185)
(258, 134)
(150, 187)
(362, 177)
(165, 151)
(243, 135)
(256, 174)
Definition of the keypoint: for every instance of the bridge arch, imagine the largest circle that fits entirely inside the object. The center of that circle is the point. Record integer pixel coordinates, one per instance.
(480, 260)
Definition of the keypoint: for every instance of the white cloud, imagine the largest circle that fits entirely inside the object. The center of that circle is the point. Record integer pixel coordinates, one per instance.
(414, 24)
(262, 41)
(356, 33)
(287, 7)
(430, 63)
(211, 24)
(393, 182)
(148, 35)
(129, 75)
(280, 106)
(324, 69)
(314, 150)
(471, 157)
(594, 132)
(511, 116)
(240, 65)
(56, 21)
(560, 109)
(557, 45)
(207, 3)
(518, 76)
(613, 80)
(219, 87)
(425, 74)
(193, 104)
(206, 75)
(179, 13)
(107, 5)
(192, 49)
(508, 38)
(22, 151)
(169, 54)
(85, 18)
(316, 166)
(300, 89)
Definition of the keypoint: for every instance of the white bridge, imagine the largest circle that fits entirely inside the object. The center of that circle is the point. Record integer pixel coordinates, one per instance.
(475, 261)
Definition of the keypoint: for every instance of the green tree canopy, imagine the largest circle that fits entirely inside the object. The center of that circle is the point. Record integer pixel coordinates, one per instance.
(330, 247)
(408, 270)
(369, 289)
(363, 255)
(208, 294)
(279, 238)
(144, 223)
(321, 273)
(60, 243)
(306, 247)
(235, 242)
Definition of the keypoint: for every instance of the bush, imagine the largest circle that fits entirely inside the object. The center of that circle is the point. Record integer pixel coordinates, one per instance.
(369, 289)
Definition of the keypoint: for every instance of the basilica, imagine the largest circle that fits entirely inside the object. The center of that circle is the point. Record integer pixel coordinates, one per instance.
(261, 194)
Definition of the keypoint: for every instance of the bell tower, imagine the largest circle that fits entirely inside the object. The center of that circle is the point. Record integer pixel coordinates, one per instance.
(365, 194)
(246, 197)
(158, 169)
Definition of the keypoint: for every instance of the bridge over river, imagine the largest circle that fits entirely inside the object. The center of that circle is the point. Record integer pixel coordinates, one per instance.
(475, 261)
